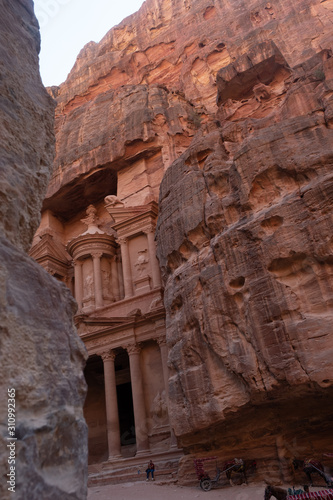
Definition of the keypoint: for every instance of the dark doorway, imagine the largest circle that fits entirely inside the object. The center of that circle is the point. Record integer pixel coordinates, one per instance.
(126, 414)
(94, 410)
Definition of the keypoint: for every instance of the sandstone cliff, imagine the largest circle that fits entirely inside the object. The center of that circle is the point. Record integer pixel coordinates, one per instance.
(233, 101)
(151, 82)
(245, 244)
(41, 357)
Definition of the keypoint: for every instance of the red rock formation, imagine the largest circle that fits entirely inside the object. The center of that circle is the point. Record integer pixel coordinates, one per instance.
(245, 244)
(122, 75)
(244, 228)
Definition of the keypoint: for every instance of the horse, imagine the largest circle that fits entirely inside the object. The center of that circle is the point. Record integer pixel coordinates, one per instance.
(276, 492)
(239, 466)
(311, 466)
(282, 494)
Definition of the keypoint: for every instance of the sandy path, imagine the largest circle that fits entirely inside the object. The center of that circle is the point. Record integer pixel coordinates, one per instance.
(154, 491)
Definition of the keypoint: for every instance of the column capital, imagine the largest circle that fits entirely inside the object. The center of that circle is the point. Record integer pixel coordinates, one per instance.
(161, 341)
(96, 255)
(133, 349)
(77, 263)
(108, 355)
(122, 240)
(150, 229)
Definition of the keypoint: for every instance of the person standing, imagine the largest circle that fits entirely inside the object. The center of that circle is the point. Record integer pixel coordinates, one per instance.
(150, 470)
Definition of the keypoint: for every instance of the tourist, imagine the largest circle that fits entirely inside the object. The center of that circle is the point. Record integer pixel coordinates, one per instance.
(150, 470)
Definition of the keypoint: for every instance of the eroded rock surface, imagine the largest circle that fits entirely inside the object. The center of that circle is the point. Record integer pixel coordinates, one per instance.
(246, 248)
(41, 357)
(25, 163)
(151, 82)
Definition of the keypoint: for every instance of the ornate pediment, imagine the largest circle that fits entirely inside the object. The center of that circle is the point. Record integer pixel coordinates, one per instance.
(128, 220)
(51, 254)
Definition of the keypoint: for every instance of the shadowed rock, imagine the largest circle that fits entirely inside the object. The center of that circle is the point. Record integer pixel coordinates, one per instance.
(41, 357)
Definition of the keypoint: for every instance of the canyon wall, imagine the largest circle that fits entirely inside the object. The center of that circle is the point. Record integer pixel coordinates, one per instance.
(43, 436)
(231, 102)
(246, 248)
(150, 83)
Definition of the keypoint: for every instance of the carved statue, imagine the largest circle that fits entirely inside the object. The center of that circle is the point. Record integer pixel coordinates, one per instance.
(91, 221)
(91, 216)
(113, 200)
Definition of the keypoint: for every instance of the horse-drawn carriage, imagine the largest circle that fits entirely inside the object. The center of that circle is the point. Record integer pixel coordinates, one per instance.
(282, 494)
(322, 495)
(237, 465)
(309, 466)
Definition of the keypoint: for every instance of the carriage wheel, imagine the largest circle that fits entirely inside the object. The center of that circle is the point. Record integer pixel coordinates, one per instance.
(206, 484)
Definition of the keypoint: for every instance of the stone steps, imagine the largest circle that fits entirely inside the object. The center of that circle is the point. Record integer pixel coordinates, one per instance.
(126, 470)
(165, 476)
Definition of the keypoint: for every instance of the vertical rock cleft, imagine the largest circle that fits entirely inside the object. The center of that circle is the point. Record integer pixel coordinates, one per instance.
(43, 433)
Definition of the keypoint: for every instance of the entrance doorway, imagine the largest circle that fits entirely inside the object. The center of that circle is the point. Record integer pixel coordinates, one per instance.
(126, 414)
(125, 403)
(94, 410)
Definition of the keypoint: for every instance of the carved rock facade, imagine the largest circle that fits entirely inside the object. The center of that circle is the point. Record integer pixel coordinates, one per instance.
(231, 102)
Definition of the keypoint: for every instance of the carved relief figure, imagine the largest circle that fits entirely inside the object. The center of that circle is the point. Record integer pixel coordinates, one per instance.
(88, 286)
(142, 262)
(106, 282)
(159, 409)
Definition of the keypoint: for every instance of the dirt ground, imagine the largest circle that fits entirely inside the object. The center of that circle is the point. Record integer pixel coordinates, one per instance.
(142, 490)
(155, 491)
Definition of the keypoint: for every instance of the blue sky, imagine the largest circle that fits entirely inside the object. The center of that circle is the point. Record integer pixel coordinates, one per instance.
(67, 25)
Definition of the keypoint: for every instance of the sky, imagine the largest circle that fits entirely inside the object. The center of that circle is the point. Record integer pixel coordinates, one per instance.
(67, 25)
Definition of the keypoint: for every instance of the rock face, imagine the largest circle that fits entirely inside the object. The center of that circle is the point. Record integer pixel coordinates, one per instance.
(232, 102)
(23, 185)
(246, 249)
(150, 83)
(41, 357)
(117, 131)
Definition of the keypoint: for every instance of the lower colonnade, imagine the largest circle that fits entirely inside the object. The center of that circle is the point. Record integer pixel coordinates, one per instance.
(134, 420)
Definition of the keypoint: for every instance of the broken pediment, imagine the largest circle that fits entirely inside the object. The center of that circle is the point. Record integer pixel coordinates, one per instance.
(128, 219)
(51, 254)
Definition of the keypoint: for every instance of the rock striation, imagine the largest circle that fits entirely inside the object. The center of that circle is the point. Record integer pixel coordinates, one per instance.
(231, 103)
(41, 357)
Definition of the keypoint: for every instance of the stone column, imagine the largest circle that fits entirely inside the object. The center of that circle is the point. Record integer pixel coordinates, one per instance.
(140, 417)
(78, 282)
(111, 404)
(155, 268)
(164, 356)
(97, 279)
(115, 279)
(128, 284)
